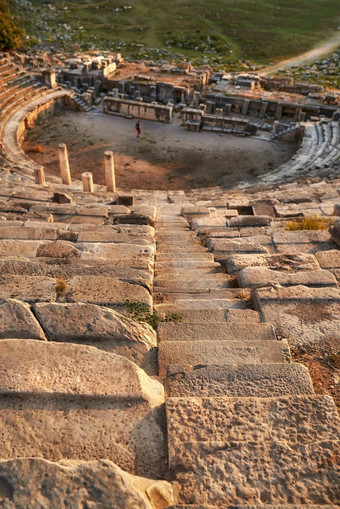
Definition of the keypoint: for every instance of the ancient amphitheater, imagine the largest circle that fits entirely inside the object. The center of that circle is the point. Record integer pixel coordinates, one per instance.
(98, 410)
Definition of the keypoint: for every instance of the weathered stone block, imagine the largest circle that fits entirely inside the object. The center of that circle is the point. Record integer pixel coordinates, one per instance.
(253, 277)
(255, 380)
(104, 291)
(17, 321)
(215, 331)
(221, 353)
(58, 249)
(250, 221)
(228, 473)
(24, 481)
(101, 327)
(302, 314)
(282, 262)
(28, 288)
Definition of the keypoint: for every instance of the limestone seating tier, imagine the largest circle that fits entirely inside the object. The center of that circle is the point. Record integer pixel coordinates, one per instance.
(68, 395)
(100, 484)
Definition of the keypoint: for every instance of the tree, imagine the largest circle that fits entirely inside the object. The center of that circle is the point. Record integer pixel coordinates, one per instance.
(10, 33)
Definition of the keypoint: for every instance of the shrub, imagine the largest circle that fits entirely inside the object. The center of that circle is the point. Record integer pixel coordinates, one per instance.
(309, 223)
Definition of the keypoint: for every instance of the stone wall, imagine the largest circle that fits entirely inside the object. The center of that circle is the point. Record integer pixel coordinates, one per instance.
(137, 109)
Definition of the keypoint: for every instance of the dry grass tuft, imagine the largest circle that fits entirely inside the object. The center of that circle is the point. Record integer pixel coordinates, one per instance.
(61, 286)
(310, 223)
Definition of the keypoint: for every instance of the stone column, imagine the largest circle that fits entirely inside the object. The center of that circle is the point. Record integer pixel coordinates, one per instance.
(87, 182)
(109, 172)
(64, 165)
(39, 176)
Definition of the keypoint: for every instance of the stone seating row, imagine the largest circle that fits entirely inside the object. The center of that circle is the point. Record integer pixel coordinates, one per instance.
(102, 358)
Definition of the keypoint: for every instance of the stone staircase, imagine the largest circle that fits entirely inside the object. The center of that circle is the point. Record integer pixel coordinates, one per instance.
(244, 425)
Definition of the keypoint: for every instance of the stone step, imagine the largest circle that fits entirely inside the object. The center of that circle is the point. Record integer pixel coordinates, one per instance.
(182, 304)
(297, 419)
(222, 316)
(276, 472)
(220, 353)
(197, 256)
(246, 380)
(198, 286)
(215, 295)
(168, 331)
(253, 277)
(191, 263)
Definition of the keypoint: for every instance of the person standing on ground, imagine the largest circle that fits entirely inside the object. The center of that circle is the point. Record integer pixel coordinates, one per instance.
(138, 128)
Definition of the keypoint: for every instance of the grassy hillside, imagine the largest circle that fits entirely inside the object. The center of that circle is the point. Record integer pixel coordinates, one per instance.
(223, 30)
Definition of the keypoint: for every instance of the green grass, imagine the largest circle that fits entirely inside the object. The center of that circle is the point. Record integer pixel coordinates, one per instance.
(222, 31)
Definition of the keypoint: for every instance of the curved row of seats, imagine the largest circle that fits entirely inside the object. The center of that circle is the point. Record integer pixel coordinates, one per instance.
(320, 148)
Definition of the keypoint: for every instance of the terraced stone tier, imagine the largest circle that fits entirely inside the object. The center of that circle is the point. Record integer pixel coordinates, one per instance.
(77, 402)
(28, 288)
(253, 277)
(275, 472)
(279, 262)
(21, 248)
(18, 321)
(297, 419)
(168, 331)
(246, 380)
(220, 353)
(94, 484)
(100, 327)
(300, 313)
(69, 268)
(103, 291)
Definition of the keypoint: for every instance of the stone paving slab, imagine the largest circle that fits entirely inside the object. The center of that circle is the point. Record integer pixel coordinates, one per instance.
(168, 331)
(103, 291)
(220, 353)
(246, 380)
(302, 419)
(18, 321)
(302, 314)
(253, 277)
(222, 472)
(115, 251)
(281, 262)
(46, 368)
(21, 248)
(28, 288)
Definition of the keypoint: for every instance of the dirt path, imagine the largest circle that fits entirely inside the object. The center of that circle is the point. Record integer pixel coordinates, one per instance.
(309, 56)
(166, 157)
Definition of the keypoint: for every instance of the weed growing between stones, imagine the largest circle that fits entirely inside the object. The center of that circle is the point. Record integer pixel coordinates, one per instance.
(310, 223)
(61, 286)
(141, 313)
